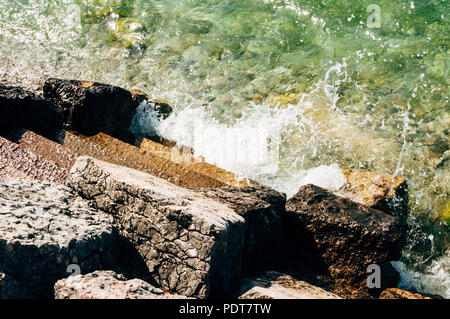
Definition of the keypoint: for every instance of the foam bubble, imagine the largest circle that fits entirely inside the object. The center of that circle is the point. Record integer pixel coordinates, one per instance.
(433, 280)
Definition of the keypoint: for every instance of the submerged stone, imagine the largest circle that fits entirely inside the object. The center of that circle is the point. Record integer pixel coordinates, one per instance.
(382, 192)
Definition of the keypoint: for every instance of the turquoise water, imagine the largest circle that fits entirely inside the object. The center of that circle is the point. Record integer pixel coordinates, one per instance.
(329, 89)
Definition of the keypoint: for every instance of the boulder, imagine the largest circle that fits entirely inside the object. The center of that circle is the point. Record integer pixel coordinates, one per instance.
(275, 285)
(44, 228)
(90, 108)
(383, 192)
(395, 293)
(19, 107)
(341, 238)
(262, 209)
(192, 245)
(107, 285)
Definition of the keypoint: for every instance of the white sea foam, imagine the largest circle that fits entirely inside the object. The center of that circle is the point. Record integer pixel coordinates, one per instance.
(434, 280)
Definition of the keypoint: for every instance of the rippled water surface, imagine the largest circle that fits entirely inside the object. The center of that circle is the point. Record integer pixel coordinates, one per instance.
(329, 90)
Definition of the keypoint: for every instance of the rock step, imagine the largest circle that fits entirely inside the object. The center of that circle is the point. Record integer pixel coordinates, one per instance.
(8, 171)
(109, 149)
(195, 164)
(32, 165)
(44, 147)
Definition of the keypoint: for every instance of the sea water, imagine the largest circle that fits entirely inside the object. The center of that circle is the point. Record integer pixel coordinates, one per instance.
(286, 92)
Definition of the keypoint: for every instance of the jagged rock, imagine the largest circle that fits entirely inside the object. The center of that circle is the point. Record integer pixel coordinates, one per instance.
(274, 285)
(395, 293)
(19, 107)
(383, 192)
(192, 245)
(44, 228)
(108, 285)
(262, 209)
(342, 238)
(162, 108)
(90, 108)
(11, 289)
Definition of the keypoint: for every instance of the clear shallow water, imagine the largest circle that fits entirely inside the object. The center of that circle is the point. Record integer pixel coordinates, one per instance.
(307, 80)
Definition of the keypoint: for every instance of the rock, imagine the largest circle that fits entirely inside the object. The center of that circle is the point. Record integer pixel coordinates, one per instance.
(90, 108)
(262, 209)
(162, 108)
(382, 192)
(11, 289)
(342, 238)
(19, 107)
(26, 162)
(44, 228)
(192, 245)
(274, 285)
(395, 293)
(107, 285)
(190, 162)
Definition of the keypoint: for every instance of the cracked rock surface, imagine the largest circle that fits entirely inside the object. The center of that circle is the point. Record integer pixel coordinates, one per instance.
(43, 228)
(191, 244)
(108, 285)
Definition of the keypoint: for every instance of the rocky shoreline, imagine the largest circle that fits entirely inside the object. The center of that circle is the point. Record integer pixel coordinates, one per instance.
(78, 189)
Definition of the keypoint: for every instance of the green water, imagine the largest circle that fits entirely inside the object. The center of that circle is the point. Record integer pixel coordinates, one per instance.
(336, 90)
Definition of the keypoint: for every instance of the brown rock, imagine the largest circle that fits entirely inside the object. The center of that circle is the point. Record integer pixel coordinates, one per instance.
(395, 293)
(274, 285)
(194, 164)
(383, 192)
(342, 238)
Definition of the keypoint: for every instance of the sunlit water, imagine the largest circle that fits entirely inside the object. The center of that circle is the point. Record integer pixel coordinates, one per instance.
(312, 83)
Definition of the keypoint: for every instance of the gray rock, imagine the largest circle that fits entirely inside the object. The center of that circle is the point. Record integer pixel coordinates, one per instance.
(262, 209)
(108, 285)
(44, 228)
(192, 244)
(274, 285)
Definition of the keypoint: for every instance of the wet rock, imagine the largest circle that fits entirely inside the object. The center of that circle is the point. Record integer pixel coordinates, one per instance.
(382, 192)
(192, 245)
(19, 107)
(262, 209)
(107, 285)
(162, 108)
(341, 238)
(89, 107)
(274, 285)
(44, 228)
(395, 293)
